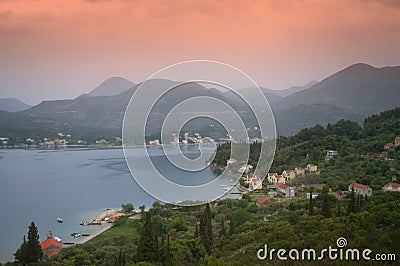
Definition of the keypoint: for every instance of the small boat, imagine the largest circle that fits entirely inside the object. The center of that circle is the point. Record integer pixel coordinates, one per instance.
(76, 235)
(60, 220)
(58, 239)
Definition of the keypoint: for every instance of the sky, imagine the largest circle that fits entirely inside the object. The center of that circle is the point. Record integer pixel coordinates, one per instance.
(61, 49)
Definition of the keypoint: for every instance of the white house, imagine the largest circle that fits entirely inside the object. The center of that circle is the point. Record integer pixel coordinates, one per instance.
(313, 195)
(388, 146)
(245, 168)
(392, 187)
(255, 183)
(287, 191)
(330, 154)
(360, 189)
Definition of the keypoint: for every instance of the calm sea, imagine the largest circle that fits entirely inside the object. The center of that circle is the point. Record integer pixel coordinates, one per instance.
(75, 184)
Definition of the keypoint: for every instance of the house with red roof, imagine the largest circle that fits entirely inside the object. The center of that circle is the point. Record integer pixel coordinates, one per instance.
(287, 191)
(397, 141)
(263, 201)
(50, 246)
(388, 146)
(360, 189)
(289, 175)
(392, 187)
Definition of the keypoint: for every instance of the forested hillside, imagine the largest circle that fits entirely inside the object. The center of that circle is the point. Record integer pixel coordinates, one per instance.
(231, 232)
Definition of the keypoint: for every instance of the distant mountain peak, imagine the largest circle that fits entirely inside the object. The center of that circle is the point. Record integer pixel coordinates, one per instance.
(359, 67)
(112, 86)
(13, 105)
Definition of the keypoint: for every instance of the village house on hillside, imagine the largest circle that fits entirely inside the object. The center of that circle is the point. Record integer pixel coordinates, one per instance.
(388, 146)
(360, 189)
(300, 171)
(274, 178)
(263, 201)
(312, 168)
(289, 175)
(287, 191)
(397, 141)
(330, 154)
(392, 187)
(245, 169)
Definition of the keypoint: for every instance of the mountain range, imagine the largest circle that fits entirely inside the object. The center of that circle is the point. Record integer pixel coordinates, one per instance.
(112, 86)
(13, 105)
(352, 93)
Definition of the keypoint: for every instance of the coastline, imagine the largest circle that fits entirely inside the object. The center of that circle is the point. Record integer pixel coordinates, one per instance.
(102, 227)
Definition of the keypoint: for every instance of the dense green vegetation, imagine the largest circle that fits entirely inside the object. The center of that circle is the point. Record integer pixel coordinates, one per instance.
(361, 154)
(231, 232)
(166, 236)
(30, 251)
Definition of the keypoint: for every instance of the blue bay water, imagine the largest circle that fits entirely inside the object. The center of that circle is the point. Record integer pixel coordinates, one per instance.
(75, 184)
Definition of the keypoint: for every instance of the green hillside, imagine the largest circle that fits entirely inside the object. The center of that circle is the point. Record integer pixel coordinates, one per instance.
(231, 232)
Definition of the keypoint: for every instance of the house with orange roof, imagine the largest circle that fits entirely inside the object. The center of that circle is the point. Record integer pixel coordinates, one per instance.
(289, 175)
(388, 146)
(360, 189)
(50, 246)
(392, 187)
(287, 191)
(263, 201)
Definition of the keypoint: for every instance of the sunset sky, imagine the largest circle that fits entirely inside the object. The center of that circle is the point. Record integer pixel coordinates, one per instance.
(61, 49)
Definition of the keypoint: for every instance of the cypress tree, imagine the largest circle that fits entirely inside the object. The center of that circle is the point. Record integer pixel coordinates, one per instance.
(202, 226)
(311, 207)
(168, 260)
(21, 254)
(352, 203)
(196, 231)
(30, 251)
(206, 231)
(361, 202)
(148, 243)
(326, 208)
(223, 230)
(231, 227)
